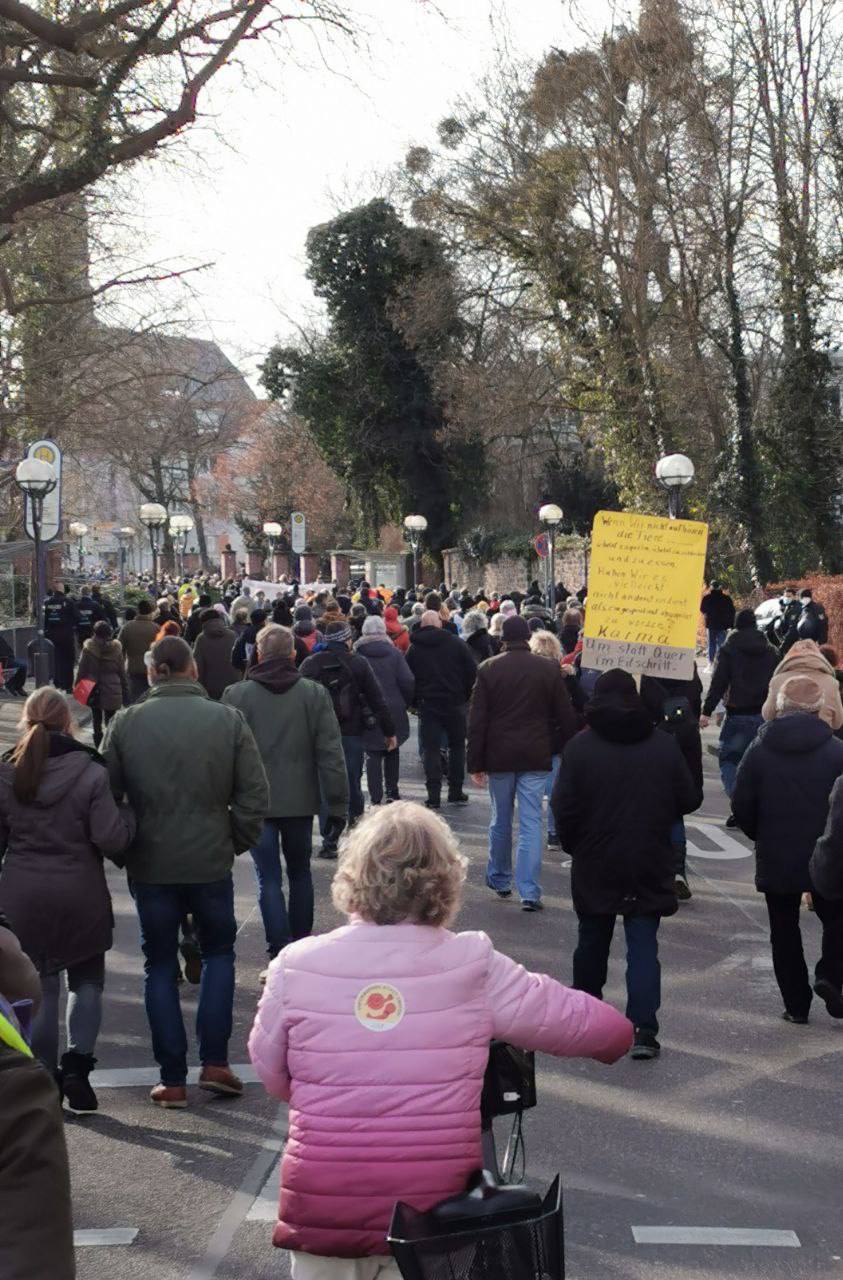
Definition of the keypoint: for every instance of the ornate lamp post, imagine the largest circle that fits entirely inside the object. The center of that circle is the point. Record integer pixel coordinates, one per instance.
(154, 516)
(124, 537)
(414, 527)
(551, 516)
(36, 479)
(180, 527)
(77, 529)
(674, 472)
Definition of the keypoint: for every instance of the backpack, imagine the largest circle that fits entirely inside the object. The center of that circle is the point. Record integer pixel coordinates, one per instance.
(341, 685)
(677, 714)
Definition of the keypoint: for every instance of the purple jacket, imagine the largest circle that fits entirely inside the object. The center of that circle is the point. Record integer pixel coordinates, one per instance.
(378, 1036)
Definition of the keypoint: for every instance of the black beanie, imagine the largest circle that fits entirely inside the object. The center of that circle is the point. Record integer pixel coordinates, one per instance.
(615, 683)
(745, 619)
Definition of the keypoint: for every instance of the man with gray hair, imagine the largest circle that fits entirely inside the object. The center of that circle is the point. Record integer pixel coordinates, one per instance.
(298, 738)
(781, 801)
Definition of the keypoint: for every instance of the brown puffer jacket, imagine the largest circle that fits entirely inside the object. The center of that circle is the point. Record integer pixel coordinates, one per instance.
(102, 662)
(212, 652)
(805, 659)
(521, 714)
(52, 884)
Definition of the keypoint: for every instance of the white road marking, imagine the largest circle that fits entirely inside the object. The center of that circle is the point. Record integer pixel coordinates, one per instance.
(746, 1236)
(132, 1077)
(90, 1238)
(265, 1205)
(726, 847)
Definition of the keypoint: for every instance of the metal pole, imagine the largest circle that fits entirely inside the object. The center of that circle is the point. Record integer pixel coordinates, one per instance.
(415, 563)
(673, 497)
(123, 573)
(41, 655)
(552, 570)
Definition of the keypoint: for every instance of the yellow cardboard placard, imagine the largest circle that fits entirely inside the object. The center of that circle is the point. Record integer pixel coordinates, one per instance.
(644, 587)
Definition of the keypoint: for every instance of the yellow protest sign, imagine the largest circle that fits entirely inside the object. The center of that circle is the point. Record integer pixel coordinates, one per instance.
(644, 586)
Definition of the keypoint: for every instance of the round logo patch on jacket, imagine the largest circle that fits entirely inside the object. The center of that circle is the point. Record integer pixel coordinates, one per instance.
(379, 1007)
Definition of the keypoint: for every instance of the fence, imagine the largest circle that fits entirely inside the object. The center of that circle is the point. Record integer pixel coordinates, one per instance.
(14, 597)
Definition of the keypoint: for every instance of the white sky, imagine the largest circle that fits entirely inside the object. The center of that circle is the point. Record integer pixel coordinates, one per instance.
(289, 140)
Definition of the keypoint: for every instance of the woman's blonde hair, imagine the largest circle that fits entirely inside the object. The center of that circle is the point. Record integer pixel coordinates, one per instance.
(400, 864)
(45, 710)
(546, 644)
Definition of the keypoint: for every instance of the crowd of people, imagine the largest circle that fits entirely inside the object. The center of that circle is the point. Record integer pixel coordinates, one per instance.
(236, 722)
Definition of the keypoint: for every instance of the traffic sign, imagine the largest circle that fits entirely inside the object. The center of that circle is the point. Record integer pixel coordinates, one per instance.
(46, 451)
(541, 542)
(298, 535)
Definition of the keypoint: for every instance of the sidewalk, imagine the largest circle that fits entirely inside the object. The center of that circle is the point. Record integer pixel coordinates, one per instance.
(10, 713)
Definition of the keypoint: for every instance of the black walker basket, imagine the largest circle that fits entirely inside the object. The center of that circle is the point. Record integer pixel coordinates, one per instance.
(525, 1243)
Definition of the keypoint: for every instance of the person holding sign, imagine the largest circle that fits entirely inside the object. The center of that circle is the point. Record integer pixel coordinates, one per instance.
(622, 785)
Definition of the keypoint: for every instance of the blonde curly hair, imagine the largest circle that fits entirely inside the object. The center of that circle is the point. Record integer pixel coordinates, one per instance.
(401, 864)
(546, 644)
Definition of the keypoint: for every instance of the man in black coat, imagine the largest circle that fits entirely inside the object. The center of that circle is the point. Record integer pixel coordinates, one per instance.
(445, 673)
(621, 786)
(718, 609)
(742, 674)
(60, 629)
(358, 699)
(676, 706)
(781, 801)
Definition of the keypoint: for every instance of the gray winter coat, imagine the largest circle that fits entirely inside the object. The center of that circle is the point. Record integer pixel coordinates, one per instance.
(52, 885)
(397, 684)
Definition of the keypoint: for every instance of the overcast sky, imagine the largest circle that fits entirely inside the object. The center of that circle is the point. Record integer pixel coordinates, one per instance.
(291, 138)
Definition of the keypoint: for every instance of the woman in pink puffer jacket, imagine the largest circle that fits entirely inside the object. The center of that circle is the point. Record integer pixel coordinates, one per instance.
(378, 1035)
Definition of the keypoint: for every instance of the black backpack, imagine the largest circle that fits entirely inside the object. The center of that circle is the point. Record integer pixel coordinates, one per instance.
(341, 685)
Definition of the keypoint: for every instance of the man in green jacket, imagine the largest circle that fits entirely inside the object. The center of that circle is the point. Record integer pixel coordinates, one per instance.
(191, 771)
(298, 737)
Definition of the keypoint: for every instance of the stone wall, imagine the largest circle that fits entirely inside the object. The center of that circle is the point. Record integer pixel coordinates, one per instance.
(509, 573)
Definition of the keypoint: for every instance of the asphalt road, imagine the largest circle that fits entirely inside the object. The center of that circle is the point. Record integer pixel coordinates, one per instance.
(736, 1128)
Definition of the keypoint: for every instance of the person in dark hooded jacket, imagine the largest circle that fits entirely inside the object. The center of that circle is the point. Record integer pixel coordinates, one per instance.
(827, 859)
(741, 677)
(675, 706)
(620, 788)
(101, 660)
(445, 673)
(781, 801)
(212, 651)
(299, 741)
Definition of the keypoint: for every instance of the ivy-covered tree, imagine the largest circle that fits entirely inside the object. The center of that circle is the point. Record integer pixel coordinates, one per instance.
(367, 388)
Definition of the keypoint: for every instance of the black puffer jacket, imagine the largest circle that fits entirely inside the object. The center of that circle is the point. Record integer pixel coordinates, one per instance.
(662, 698)
(718, 609)
(620, 788)
(781, 798)
(742, 673)
(827, 860)
(443, 666)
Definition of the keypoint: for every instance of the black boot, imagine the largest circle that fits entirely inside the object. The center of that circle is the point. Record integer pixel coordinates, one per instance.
(434, 796)
(75, 1085)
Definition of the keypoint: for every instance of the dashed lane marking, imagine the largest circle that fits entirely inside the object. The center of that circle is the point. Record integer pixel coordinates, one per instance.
(265, 1205)
(92, 1237)
(722, 846)
(753, 1237)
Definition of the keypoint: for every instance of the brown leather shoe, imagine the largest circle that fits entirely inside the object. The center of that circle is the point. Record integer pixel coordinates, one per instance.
(169, 1095)
(220, 1080)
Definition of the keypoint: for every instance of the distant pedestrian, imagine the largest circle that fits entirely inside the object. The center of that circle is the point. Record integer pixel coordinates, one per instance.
(781, 801)
(805, 659)
(475, 632)
(620, 789)
(718, 609)
(212, 651)
(445, 673)
(136, 638)
(102, 661)
(676, 707)
(397, 685)
(60, 630)
(520, 718)
(810, 624)
(192, 772)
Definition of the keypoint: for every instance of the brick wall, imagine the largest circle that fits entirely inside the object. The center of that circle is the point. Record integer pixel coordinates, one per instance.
(511, 573)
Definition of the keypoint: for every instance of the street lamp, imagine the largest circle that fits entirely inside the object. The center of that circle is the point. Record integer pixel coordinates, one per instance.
(36, 479)
(180, 527)
(414, 527)
(551, 515)
(77, 529)
(674, 472)
(154, 516)
(124, 537)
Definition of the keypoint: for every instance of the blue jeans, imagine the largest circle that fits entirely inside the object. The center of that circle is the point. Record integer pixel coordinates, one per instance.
(736, 734)
(295, 836)
(643, 971)
(160, 910)
(548, 791)
(715, 643)
(528, 789)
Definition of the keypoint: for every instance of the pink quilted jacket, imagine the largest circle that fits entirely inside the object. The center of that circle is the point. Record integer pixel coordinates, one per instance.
(378, 1037)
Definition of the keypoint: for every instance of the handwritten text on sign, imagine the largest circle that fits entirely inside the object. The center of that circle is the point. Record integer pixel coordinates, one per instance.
(644, 588)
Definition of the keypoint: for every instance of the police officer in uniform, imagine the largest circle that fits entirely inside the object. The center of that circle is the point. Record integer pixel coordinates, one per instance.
(88, 611)
(60, 627)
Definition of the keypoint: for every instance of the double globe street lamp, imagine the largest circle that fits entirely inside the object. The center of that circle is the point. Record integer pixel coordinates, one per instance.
(414, 527)
(551, 517)
(35, 479)
(180, 527)
(154, 516)
(674, 472)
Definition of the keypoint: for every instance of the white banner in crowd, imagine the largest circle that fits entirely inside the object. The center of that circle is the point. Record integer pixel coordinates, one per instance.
(273, 589)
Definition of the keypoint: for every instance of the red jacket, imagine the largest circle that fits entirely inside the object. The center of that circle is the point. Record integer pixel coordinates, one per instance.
(398, 634)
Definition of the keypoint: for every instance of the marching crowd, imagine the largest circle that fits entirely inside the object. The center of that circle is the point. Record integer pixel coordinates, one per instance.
(231, 725)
